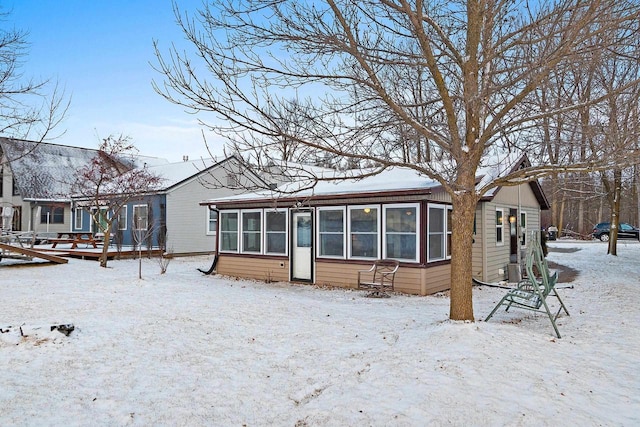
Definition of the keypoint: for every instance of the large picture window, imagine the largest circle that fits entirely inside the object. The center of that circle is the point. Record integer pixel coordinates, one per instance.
(276, 232)
(439, 233)
(229, 231)
(400, 236)
(50, 214)
(252, 231)
(363, 226)
(331, 233)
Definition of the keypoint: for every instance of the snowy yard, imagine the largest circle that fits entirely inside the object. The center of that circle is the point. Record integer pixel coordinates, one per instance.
(188, 349)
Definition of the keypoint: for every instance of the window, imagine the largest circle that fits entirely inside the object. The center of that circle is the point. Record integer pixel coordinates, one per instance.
(77, 218)
(122, 218)
(276, 232)
(212, 221)
(363, 222)
(140, 217)
(50, 214)
(499, 226)
(400, 235)
(232, 180)
(251, 231)
(523, 228)
(15, 190)
(331, 229)
(229, 231)
(439, 233)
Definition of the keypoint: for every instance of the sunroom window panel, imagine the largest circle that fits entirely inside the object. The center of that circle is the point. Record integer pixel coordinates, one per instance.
(400, 233)
(251, 232)
(276, 236)
(401, 246)
(331, 233)
(229, 231)
(364, 232)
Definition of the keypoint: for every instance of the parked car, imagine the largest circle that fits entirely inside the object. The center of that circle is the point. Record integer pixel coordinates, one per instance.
(625, 231)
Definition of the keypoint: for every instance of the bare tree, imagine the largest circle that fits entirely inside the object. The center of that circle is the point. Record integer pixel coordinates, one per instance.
(356, 65)
(109, 182)
(29, 108)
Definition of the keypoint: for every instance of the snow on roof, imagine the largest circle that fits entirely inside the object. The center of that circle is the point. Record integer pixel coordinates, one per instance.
(174, 173)
(394, 179)
(45, 171)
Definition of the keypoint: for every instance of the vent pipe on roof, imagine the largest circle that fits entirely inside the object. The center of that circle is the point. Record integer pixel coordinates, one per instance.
(185, 158)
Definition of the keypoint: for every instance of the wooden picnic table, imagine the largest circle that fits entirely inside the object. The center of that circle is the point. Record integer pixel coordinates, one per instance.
(75, 238)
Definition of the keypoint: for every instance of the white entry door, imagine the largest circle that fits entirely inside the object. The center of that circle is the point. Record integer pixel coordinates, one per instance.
(302, 253)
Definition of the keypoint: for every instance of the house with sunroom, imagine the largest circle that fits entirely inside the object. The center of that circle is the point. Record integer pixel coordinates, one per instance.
(325, 235)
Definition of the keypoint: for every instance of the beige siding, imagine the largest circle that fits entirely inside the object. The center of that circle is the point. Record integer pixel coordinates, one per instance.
(477, 248)
(267, 269)
(419, 281)
(497, 256)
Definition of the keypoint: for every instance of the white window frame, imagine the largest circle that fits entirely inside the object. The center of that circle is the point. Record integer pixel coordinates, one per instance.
(77, 218)
(266, 232)
(222, 232)
(415, 206)
(212, 223)
(123, 218)
(135, 217)
(446, 232)
(350, 233)
(260, 233)
(523, 228)
(499, 226)
(319, 234)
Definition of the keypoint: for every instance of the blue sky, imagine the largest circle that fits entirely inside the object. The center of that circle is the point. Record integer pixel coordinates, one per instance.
(101, 51)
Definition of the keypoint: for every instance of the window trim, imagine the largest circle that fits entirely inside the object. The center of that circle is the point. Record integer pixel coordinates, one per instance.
(122, 225)
(260, 233)
(446, 232)
(265, 231)
(135, 221)
(352, 208)
(499, 226)
(345, 231)
(209, 221)
(383, 226)
(237, 231)
(51, 210)
(78, 215)
(523, 228)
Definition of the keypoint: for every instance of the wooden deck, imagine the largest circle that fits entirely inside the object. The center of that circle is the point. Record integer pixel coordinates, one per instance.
(34, 253)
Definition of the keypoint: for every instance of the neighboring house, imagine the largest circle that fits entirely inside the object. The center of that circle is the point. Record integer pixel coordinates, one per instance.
(171, 216)
(325, 235)
(37, 180)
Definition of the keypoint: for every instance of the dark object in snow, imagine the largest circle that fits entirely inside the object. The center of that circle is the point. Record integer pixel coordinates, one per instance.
(66, 328)
(212, 268)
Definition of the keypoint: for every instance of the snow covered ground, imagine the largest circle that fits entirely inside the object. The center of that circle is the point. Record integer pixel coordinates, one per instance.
(188, 349)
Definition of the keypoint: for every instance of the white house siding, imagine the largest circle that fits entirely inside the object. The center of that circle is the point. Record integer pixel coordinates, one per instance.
(187, 220)
(497, 256)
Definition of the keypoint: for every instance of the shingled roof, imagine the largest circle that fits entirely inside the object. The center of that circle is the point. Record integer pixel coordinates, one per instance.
(45, 171)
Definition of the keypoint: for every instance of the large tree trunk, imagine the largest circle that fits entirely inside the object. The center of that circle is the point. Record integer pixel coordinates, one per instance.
(461, 303)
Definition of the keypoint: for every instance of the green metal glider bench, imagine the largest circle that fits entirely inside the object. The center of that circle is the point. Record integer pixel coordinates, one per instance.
(532, 292)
